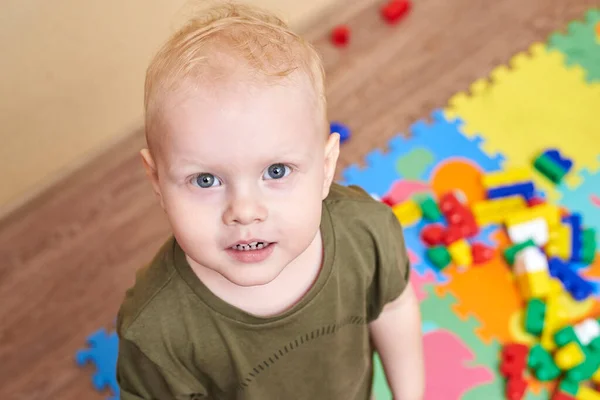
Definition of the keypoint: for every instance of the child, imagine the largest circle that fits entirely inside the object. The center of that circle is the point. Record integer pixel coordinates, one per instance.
(277, 283)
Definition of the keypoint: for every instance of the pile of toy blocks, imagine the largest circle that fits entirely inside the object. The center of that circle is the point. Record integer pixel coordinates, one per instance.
(545, 241)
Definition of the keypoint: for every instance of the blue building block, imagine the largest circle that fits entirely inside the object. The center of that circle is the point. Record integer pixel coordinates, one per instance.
(579, 288)
(564, 163)
(341, 129)
(526, 189)
(102, 352)
(574, 223)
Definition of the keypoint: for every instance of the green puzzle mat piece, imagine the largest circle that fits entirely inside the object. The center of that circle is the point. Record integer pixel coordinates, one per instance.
(580, 46)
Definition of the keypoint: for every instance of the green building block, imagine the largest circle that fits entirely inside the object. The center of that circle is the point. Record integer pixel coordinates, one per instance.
(511, 252)
(534, 316)
(439, 256)
(541, 362)
(568, 387)
(565, 335)
(585, 370)
(549, 169)
(430, 209)
(588, 246)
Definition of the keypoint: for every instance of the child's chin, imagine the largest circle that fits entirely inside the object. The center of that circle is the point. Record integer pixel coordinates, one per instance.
(256, 276)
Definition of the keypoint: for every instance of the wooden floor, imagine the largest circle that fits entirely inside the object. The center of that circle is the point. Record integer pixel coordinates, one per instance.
(67, 258)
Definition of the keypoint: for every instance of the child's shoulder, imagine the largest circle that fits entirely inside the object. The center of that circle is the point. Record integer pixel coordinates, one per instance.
(149, 282)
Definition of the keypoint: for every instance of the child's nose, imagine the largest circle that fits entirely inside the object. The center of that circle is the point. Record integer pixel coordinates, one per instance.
(244, 210)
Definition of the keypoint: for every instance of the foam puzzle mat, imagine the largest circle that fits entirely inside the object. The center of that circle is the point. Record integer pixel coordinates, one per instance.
(548, 96)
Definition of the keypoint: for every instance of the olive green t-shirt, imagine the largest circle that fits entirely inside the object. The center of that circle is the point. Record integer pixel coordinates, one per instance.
(180, 341)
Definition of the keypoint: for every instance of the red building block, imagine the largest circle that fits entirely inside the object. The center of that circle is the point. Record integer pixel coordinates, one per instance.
(558, 395)
(513, 360)
(340, 36)
(482, 253)
(515, 388)
(458, 216)
(394, 10)
(433, 234)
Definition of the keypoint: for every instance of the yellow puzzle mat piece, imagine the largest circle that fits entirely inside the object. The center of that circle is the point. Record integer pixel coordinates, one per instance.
(534, 104)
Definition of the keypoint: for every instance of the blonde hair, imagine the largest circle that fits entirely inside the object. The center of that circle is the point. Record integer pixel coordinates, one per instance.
(269, 48)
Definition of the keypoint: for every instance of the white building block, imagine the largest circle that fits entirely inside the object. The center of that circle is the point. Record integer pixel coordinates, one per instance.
(536, 229)
(587, 331)
(531, 259)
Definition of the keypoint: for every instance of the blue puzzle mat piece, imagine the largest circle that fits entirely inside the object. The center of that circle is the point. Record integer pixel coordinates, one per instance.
(442, 137)
(102, 352)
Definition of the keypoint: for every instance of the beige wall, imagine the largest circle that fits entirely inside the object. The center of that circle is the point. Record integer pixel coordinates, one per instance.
(71, 78)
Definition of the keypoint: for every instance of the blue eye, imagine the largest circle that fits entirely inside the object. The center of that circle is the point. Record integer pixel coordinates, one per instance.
(205, 181)
(277, 171)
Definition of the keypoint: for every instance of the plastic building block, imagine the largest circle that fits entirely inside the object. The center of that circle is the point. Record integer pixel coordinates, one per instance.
(561, 396)
(550, 212)
(587, 393)
(407, 212)
(535, 313)
(587, 330)
(506, 177)
(527, 190)
(511, 252)
(497, 210)
(482, 253)
(439, 256)
(394, 10)
(541, 362)
(574, 224)
(515, 388)
(585, 370)
(588, 247)
(535, 201)
(579, 288)
(532, 260)
(458, 215)
(433, 234)
(341, 129)
(513, 359)
(559, 244)
(565, 335)
(430, 209)
(552, 165)
(340, 35)
(568, 387)
(534, 284)
(569, 356)
(460, 251)
(451, 235)
(102, 352)
(535, 229)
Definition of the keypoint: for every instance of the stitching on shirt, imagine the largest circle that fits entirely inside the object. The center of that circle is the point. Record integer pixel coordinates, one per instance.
(294, 344)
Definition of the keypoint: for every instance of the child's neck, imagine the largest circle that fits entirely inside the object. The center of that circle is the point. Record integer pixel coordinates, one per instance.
(277, 296)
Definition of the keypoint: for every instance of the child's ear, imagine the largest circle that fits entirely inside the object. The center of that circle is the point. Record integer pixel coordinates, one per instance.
(152, 173)
(332, 152)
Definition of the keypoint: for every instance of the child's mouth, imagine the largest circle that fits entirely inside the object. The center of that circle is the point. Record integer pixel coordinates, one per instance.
(250, 246)
(252, 252)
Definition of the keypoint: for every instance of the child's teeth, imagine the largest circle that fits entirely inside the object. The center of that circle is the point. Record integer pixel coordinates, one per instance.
(251, 246)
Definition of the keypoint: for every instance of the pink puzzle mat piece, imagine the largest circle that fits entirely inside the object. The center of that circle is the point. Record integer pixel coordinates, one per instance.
(446, 367)
(418, 281)
(403, 190)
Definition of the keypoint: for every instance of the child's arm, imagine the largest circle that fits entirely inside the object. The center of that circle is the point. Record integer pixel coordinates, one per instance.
(396, 334)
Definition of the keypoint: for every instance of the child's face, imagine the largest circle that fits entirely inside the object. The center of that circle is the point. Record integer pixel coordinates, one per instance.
(244, 165)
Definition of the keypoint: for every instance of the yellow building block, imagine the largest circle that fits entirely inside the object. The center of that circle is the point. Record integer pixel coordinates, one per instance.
(508, 177)
(534, 284)
(587, 393)
(550, 212)
(408, 212)
(460, 251)
(557, 313)
(496, 211)
(569, 356)
(559, 244)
